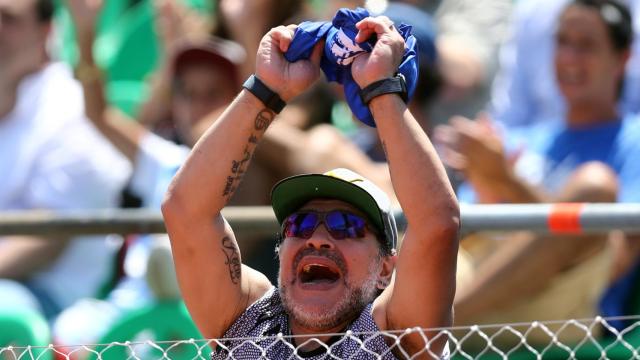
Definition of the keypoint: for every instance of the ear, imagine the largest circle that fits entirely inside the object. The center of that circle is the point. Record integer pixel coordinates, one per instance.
(386, 271)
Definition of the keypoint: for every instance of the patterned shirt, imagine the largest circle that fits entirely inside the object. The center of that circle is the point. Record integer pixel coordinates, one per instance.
(258, 334)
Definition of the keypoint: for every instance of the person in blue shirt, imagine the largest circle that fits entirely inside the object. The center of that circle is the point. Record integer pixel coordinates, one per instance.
(524, 91)
(589, 156)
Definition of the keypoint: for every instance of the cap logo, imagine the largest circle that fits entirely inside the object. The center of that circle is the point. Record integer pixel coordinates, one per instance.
(336, 175)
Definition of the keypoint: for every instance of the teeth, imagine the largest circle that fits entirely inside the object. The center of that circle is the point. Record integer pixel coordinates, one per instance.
(306, 268)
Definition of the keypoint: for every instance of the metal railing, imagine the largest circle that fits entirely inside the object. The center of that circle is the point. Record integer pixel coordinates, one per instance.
(541, 218)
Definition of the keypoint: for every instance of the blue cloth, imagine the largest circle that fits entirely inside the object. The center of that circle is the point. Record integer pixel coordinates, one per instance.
(553, 151)
(562, 150)
(340, 49)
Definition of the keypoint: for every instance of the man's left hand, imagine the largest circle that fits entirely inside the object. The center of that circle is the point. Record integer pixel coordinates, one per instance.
(386, 56)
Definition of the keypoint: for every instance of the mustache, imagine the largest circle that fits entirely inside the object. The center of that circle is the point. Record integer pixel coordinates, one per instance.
(330, 254)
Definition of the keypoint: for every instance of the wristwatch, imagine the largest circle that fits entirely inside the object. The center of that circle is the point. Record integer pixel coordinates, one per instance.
(268, 97)
(87, 73)
(392, 85)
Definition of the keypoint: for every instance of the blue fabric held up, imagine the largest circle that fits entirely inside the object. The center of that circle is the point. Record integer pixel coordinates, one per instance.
(340, 49)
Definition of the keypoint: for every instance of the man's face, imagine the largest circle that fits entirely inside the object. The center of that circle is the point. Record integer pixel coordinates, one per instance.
(19, 28)
(200, 89)
(588, 68)
(324, 282)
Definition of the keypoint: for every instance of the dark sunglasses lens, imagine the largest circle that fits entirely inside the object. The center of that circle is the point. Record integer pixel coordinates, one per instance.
(290, 227)
(345, 225)
(300, 225)
(356, 226)
(336, 224)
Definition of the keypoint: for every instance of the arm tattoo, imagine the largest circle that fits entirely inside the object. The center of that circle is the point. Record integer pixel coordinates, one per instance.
(239, 166)
(230, 250)
(263, 119)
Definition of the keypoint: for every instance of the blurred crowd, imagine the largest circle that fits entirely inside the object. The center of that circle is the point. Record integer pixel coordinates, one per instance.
(528, 101)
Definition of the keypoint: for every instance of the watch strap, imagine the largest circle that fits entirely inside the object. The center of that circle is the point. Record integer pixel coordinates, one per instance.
(268, 97)
(392, 85)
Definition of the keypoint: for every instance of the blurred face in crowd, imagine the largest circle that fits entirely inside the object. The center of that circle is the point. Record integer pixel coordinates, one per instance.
(325, 282)
(199, 89)
(588, 67)
(20, 29)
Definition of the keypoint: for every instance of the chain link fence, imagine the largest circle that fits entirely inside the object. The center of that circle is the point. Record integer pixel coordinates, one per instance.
(536, 340)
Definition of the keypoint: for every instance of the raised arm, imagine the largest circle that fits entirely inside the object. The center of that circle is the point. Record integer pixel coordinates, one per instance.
(423, 290)
(124, 133)
(216, 288)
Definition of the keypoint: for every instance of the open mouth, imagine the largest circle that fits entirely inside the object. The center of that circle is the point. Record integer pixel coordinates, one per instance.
(318, 274)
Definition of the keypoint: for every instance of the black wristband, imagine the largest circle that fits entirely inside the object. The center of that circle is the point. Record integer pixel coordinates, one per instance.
(268, 97)
(393, 85)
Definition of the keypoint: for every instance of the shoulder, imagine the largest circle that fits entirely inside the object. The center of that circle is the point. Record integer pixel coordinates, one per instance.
(629, 134)
(266, 310)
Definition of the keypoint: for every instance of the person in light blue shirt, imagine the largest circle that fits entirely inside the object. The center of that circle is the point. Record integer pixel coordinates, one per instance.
(587, 156)
(525, 90)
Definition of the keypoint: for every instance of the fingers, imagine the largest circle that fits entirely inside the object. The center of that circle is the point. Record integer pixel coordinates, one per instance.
(282, 36)
(462, 135)
(468, 129)
(316, 55)
(445, 135)
(486, 123)
(447, 139)
(373, 25)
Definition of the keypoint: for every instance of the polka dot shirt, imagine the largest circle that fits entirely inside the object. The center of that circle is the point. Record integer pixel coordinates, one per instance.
(266, 324)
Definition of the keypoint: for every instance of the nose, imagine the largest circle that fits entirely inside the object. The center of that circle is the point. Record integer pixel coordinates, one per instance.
(320, 238)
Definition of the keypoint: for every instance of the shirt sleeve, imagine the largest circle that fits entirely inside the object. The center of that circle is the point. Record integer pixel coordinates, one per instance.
(76, 169)
(629, 176)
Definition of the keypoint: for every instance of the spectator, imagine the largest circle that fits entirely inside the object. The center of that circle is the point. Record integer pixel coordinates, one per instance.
(244, 21)
(51, 158)
(525, 91)
(204, 78)
(469, 33)
(323, 293)
(588, 157)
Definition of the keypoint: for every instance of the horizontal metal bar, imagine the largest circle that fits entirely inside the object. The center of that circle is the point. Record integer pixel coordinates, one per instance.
(593, 218)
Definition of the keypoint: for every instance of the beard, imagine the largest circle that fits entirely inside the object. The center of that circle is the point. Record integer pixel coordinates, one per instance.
(346, 308)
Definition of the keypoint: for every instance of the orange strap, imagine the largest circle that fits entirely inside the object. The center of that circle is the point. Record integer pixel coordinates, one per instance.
(564, 218)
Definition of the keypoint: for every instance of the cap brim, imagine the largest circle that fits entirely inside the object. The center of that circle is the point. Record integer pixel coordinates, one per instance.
(290, 194)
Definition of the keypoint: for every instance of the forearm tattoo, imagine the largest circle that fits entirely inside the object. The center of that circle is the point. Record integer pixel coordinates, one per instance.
(239, 166)
(230, 250)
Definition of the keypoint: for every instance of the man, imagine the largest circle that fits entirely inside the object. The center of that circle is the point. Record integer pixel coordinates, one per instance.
(50, 158)
(204, 78)
(589, 156)
(322, 267)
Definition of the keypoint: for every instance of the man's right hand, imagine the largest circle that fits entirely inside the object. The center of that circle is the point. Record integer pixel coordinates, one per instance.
(285, 78)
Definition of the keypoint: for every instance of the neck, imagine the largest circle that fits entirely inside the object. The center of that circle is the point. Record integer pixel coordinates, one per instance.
(304, 334)
(7, 99)
(10, 79)
(592, 113)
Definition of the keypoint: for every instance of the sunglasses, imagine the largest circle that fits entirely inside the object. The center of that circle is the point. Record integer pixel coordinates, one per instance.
(339, 223)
